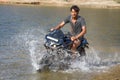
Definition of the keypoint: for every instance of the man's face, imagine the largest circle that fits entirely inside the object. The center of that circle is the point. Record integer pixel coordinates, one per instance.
(74, 13)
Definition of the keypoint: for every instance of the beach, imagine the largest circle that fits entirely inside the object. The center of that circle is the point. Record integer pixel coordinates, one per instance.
(63, 3)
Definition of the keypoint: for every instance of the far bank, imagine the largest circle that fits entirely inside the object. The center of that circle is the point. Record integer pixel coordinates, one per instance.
(108, 5)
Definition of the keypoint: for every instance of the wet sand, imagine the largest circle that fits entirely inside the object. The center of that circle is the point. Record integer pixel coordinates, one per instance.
(112, 74)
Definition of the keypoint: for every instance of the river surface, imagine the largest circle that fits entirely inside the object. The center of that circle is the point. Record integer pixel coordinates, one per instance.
(22, 31)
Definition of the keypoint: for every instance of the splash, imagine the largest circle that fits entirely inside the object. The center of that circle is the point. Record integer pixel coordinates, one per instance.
(91, 62)
(86, 63)
(34, 57)
(29, 41)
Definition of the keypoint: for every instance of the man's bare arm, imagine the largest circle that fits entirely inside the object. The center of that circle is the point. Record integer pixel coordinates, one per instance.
(58, 26)
(80, 34)
(84, 30)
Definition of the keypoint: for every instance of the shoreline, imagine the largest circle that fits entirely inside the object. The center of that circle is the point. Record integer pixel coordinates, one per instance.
(112, 73)
(104, 5)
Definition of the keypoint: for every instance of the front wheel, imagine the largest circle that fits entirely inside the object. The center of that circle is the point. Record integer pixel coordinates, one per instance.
(81, 51)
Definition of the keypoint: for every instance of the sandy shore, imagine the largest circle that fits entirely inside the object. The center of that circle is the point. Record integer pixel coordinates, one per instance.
(112, 74)
(103, 4)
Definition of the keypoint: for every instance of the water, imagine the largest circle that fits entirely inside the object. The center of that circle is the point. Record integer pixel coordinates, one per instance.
(22, 31)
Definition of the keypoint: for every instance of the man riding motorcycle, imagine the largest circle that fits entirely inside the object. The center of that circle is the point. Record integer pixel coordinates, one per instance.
(78, 27)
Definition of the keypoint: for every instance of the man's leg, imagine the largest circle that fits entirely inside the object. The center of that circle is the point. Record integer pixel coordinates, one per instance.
(75, 44)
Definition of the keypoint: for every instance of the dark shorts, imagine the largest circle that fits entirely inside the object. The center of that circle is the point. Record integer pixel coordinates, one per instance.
(81, 38)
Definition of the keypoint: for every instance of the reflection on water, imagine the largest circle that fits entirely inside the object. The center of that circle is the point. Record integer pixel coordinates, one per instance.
(22, 31)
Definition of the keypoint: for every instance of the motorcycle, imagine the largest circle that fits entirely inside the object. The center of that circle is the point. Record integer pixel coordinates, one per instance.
(56, 40)
(58, 46)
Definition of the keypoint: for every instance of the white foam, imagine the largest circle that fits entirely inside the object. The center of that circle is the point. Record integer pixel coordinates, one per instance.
(34, 44)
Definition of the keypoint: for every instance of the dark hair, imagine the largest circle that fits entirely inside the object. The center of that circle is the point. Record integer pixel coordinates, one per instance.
(75, 7)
